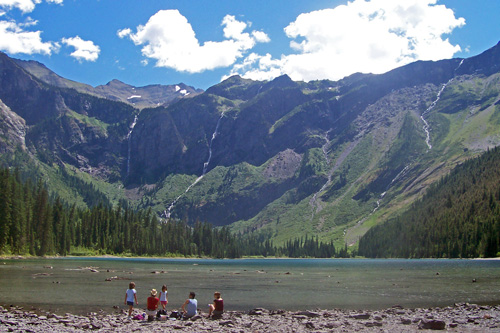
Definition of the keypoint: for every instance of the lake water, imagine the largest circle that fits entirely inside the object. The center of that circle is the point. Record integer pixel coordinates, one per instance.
(289, 284)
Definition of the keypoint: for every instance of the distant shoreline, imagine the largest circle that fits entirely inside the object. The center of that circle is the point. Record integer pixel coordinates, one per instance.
(22, 257)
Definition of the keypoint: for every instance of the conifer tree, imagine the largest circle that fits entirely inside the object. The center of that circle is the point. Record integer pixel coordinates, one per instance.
(5, 208)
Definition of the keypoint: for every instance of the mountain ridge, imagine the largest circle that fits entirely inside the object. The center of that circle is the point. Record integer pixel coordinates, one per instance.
(140, 97)
(278, 158)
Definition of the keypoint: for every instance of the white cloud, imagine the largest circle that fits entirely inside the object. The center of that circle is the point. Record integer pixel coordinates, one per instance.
(124, 33)
(13, 36)
(261, 37)
(84, 49)
(26, 6)
(257, 67)
(169, 39)
(13, 39)
(362, 36)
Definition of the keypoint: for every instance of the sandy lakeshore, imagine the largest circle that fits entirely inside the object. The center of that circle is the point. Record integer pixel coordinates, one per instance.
(458, 318)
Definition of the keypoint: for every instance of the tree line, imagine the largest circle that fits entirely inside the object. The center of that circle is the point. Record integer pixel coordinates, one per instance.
(36, 223)
(458, 217)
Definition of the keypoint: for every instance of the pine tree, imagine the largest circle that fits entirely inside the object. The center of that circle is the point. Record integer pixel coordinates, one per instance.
(5, 208)
(17, 235)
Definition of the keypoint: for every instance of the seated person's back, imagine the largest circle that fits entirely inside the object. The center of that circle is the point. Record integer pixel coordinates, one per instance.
(190, 307)
(152, 304)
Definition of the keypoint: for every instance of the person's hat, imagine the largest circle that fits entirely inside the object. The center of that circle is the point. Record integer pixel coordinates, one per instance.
(153, 292)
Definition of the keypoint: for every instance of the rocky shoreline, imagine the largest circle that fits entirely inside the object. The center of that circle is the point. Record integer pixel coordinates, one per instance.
(462, 317)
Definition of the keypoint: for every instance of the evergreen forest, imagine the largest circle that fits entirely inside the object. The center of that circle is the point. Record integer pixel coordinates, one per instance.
(34, 222)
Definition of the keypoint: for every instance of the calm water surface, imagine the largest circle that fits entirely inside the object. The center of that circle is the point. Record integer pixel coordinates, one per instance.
(290, 284)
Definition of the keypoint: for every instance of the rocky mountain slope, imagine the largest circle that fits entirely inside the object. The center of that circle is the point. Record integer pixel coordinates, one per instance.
(280, 158)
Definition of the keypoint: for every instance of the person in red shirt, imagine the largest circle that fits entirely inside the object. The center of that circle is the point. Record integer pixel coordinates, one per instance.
(217, 308)
(152, 305)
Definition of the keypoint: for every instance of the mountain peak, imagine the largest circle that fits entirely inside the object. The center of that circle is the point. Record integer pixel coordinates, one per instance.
(117, 83)
(280, 82)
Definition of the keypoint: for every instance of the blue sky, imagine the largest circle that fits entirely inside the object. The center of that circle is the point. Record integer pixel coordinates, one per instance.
(200, 42)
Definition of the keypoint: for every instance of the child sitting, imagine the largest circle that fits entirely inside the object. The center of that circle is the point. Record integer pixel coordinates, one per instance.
(217, 308)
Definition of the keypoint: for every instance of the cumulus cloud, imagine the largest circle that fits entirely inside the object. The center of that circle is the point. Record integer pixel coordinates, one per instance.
(26, 6)
(169, 39)
(84, 49)
(363, 36)
(14, 39)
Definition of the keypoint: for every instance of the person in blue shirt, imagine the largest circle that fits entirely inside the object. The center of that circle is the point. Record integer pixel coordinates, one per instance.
(190, 306)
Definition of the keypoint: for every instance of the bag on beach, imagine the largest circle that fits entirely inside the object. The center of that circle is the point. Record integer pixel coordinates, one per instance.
(138, 317)
(161, 312)
(175, 314)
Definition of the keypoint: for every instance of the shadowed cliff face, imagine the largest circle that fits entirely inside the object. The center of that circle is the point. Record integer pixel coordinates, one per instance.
(25, 95)
(12, 130)
(312, 157)
(64, 125)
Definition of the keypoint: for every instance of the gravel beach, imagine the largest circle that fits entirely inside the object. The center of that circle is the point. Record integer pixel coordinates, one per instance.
(458, 318)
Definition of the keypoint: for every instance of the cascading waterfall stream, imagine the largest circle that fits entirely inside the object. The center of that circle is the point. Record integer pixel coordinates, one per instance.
(129, 136)
(214, 135)
(324, 149)
(360, 222)
(426, 126)
(168, 212)
(399, 175)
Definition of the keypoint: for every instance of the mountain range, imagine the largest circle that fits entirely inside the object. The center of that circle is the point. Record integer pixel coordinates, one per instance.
(278, 158)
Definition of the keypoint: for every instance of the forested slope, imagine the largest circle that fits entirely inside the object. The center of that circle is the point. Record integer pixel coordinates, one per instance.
(34, 222)
(459, 217)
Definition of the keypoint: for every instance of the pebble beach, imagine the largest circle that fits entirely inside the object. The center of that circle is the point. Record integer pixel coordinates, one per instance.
(462, 317)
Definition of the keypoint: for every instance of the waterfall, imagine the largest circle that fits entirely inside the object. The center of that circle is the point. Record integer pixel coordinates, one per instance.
(324, 149)
(338, 162)
(378, 203)
(129, 137)
(399, 175)
(214, 135)
(426, 126)
(168, 212)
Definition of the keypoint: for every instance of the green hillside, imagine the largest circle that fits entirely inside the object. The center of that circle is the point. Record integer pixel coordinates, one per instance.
(459, 217)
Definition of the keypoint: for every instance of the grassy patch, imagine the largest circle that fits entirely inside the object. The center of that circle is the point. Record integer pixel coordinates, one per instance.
(89, 121)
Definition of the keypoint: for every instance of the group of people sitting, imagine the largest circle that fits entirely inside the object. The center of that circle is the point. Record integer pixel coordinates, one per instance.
(189, 308)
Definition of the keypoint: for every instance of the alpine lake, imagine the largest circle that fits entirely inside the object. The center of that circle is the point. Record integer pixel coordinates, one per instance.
(83, 285)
